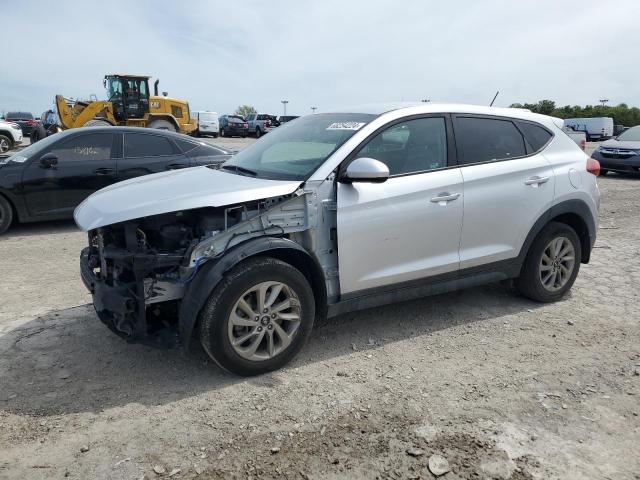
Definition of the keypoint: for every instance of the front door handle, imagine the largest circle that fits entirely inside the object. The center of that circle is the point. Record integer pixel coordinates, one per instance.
(445, 197)
(104, 171)
(535, 181)
(176, 166)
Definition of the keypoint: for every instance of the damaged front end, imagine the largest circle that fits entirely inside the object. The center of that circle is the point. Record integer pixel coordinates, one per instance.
(138, 271)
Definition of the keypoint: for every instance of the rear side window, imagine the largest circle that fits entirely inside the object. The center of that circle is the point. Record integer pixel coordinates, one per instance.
(206, 151)
(487, 139)
(143, 145)
(536, 136)
(95, 146)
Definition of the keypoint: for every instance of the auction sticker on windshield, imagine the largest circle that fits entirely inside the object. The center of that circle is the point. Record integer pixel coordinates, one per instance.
(346, 126)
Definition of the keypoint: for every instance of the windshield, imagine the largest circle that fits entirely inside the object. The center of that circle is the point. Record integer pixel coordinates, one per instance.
(631, 135)
(27, 152)
(208, 117)
(295, 150)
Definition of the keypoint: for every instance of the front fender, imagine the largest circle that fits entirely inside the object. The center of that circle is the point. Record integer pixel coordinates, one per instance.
(212, 272)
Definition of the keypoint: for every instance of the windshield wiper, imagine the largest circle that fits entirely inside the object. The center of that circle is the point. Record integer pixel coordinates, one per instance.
(240, 169)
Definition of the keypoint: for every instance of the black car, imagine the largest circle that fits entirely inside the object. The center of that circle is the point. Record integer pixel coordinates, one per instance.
(47, 180)
(286, 118)
(26, 121)
(231, 125)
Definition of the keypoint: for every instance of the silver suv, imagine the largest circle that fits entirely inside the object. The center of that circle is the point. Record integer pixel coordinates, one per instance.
(337, 212)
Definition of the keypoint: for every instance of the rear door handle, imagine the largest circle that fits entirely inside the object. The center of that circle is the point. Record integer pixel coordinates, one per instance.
(535, 181)
(104, 171)
(445, 197)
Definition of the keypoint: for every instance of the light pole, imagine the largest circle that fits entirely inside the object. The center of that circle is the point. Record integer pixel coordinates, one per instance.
(313, 109)
(603, 101)
(284, 104)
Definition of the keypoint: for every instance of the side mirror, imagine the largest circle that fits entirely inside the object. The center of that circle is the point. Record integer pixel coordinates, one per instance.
(366, 170)
(48, 160)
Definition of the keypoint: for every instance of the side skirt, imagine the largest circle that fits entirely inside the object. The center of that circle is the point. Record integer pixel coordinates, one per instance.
(448, 282)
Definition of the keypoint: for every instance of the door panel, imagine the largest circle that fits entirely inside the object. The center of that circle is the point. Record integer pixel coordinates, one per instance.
(398, 231)
(84, 166)
(146, 153)
(502, 202)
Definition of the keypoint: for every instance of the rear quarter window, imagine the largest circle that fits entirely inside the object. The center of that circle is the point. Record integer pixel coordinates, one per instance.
(145, 145)
(535, 135)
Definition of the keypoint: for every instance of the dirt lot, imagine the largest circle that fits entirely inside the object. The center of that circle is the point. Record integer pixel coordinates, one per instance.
(498, 385)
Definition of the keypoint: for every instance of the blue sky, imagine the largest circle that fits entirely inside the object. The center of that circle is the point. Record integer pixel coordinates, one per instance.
(329, 54)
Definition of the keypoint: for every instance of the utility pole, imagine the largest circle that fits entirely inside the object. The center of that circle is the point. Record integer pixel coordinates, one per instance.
(603, 101)
(284, 104)
(313, 109)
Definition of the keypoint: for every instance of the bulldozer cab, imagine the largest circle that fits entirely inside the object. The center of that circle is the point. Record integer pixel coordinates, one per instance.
(129, 95)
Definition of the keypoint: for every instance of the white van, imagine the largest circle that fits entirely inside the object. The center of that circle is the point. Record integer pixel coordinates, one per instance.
(207, 123)
(597, 128)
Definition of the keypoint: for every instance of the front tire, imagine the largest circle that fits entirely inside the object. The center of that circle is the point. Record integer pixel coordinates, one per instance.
(258, 133)
(6, 214)
(162, 125)
(551, 265)
(258, 318)
(5, 144)
(96, 122)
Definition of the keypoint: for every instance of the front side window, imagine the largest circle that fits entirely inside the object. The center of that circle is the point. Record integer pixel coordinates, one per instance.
(413, 146)
(94, 146)
(487, 139)
(295, 150)
(144, 145)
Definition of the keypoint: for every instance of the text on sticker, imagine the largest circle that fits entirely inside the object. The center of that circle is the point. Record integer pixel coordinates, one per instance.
(346, 126)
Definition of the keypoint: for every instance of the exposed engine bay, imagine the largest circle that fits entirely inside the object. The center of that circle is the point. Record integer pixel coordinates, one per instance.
(138, 271)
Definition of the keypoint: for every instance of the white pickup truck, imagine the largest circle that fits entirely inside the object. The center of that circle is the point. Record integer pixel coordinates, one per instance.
(579, 137)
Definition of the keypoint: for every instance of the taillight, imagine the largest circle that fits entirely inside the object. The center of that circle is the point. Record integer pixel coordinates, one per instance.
(583, 145)
(32, 122)
(267, 123)
(593, 166)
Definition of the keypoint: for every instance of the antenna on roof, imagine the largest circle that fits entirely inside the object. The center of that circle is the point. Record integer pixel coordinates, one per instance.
(494, 98)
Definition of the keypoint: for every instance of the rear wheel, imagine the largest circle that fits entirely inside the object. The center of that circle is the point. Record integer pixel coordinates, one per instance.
(96, 122)
(552, 264)
(6, 214)
(5, 144)
(161, 124)
(258, 318)
(258, 132)
(38, 133)
(603, 172)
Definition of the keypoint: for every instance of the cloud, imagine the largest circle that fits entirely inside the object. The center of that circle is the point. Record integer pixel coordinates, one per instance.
(327, 54)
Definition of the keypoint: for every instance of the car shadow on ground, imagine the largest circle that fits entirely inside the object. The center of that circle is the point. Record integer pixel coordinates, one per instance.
(40, 228)
(68, 362)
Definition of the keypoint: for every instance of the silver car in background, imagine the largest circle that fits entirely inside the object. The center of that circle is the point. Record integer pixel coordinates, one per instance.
(337, 212)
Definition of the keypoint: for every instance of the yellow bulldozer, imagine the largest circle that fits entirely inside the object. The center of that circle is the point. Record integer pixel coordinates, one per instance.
(129, 104)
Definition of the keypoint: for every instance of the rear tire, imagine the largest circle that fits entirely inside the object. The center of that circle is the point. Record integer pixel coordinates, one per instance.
(603, 172)
(6, 214)
(285, 311)
(38, 134)
(258, 133)
(162, 125)
(551, 265)
(96, 122)
(5, 144)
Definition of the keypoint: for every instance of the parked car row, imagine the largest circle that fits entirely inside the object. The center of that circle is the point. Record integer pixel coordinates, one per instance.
(236, 125)
(48, 179)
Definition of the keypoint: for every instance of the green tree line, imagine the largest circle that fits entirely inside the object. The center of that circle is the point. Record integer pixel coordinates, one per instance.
(622, 114)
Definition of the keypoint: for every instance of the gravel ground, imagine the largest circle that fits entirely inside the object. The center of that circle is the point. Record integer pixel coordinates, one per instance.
(499, 386)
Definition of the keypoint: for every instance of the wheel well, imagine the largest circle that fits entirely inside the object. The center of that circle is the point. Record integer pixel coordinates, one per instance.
(576, 222)
(12, 206)
(168, 118)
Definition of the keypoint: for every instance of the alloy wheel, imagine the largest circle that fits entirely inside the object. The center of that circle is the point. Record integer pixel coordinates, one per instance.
(264, 321)
(557, 263)
(4, 145)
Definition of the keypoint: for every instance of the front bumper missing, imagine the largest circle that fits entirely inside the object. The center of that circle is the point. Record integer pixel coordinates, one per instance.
(122, 308)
